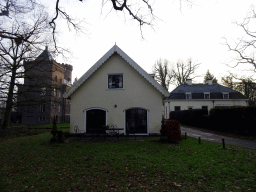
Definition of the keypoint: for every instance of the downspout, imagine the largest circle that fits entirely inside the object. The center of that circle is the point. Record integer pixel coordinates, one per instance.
(169, 110)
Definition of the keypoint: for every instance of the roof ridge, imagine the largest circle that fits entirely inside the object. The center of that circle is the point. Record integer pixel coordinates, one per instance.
(129, 60)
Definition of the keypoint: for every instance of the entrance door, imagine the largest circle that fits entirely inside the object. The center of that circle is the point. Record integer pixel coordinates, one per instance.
(95, 119)
(136, 121)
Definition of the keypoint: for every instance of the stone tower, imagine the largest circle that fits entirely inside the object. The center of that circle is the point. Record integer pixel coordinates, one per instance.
(68, 72)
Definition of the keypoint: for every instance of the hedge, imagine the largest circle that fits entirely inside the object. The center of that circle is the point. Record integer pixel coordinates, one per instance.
(240, 120)
(194, 117)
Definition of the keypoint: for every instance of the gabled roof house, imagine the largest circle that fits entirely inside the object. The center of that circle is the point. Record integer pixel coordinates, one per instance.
(116, 90)
(202, 96)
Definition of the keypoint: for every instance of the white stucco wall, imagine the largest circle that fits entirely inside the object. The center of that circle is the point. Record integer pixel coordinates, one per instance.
(197, 104)
(136, 92)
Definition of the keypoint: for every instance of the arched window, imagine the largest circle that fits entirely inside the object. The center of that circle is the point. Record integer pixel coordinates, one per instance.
(56, 78)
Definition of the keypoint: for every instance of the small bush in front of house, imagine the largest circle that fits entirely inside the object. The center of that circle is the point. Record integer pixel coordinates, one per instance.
(172, 130)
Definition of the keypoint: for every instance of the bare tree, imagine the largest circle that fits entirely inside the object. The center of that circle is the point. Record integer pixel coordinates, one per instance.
(245, 46)
(208, 75)
(26, 38)
(183, 71)
(162, 73)
(139, 10)
(15, 7)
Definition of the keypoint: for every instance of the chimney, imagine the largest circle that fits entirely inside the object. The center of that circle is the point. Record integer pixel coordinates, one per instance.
(189, 81)
(209, 81)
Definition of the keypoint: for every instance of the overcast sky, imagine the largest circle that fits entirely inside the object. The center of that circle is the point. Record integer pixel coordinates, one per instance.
(194, 32)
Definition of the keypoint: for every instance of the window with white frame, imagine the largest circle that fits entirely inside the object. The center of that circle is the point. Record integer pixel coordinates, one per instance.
(54, 92)
(225, 95)
(59, 108)
(42, 108)
(43, 91)
(206, 95)
(188, 96)
(115, 81)
(42, 118)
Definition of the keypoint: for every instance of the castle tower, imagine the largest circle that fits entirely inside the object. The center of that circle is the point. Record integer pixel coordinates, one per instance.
(68, 72)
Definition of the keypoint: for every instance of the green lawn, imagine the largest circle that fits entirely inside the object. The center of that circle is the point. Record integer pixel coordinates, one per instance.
(32, 164)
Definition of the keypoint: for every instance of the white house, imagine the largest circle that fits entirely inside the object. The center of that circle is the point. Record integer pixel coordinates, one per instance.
(202, 96)
(116, 90)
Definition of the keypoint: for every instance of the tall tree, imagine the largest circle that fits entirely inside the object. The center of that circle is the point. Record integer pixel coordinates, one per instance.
(228, 81)
(20, 41)
(183, 71)
(208, 75)
(162, 73)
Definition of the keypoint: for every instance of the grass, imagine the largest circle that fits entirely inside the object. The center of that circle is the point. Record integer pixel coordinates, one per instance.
(32, 164)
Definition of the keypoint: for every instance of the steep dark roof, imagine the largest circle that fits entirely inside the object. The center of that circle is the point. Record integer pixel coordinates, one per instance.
(198, 90)
(45, 55)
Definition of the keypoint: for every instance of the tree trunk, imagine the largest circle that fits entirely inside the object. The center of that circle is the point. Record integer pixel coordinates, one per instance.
(9, 102)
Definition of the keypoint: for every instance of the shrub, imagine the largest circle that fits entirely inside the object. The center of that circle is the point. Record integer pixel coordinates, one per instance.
(172, 130)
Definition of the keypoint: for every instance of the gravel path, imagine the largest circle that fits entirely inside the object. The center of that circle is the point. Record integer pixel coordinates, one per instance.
(218, 138)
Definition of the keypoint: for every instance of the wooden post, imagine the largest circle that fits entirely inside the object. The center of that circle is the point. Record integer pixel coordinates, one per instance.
(185, 135)
(199, 140)
(223, 143)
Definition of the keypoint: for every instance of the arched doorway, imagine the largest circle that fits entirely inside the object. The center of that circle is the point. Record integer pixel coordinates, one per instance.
(95, 119)
(136, 121)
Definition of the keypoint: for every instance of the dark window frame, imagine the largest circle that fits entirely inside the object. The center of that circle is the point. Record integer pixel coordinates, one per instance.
(226, 94)
(188, 96)
(115, 81)
(177, 108)
(205, 96)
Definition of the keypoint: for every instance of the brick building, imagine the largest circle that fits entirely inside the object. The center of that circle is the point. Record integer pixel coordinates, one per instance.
(40, 98)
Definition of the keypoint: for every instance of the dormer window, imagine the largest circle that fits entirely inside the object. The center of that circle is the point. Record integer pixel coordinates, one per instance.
(206, 95)
(225, 95)
(188, 96)
(115, 81)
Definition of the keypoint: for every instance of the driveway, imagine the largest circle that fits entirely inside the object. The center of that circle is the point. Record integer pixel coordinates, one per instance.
(207, 136)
